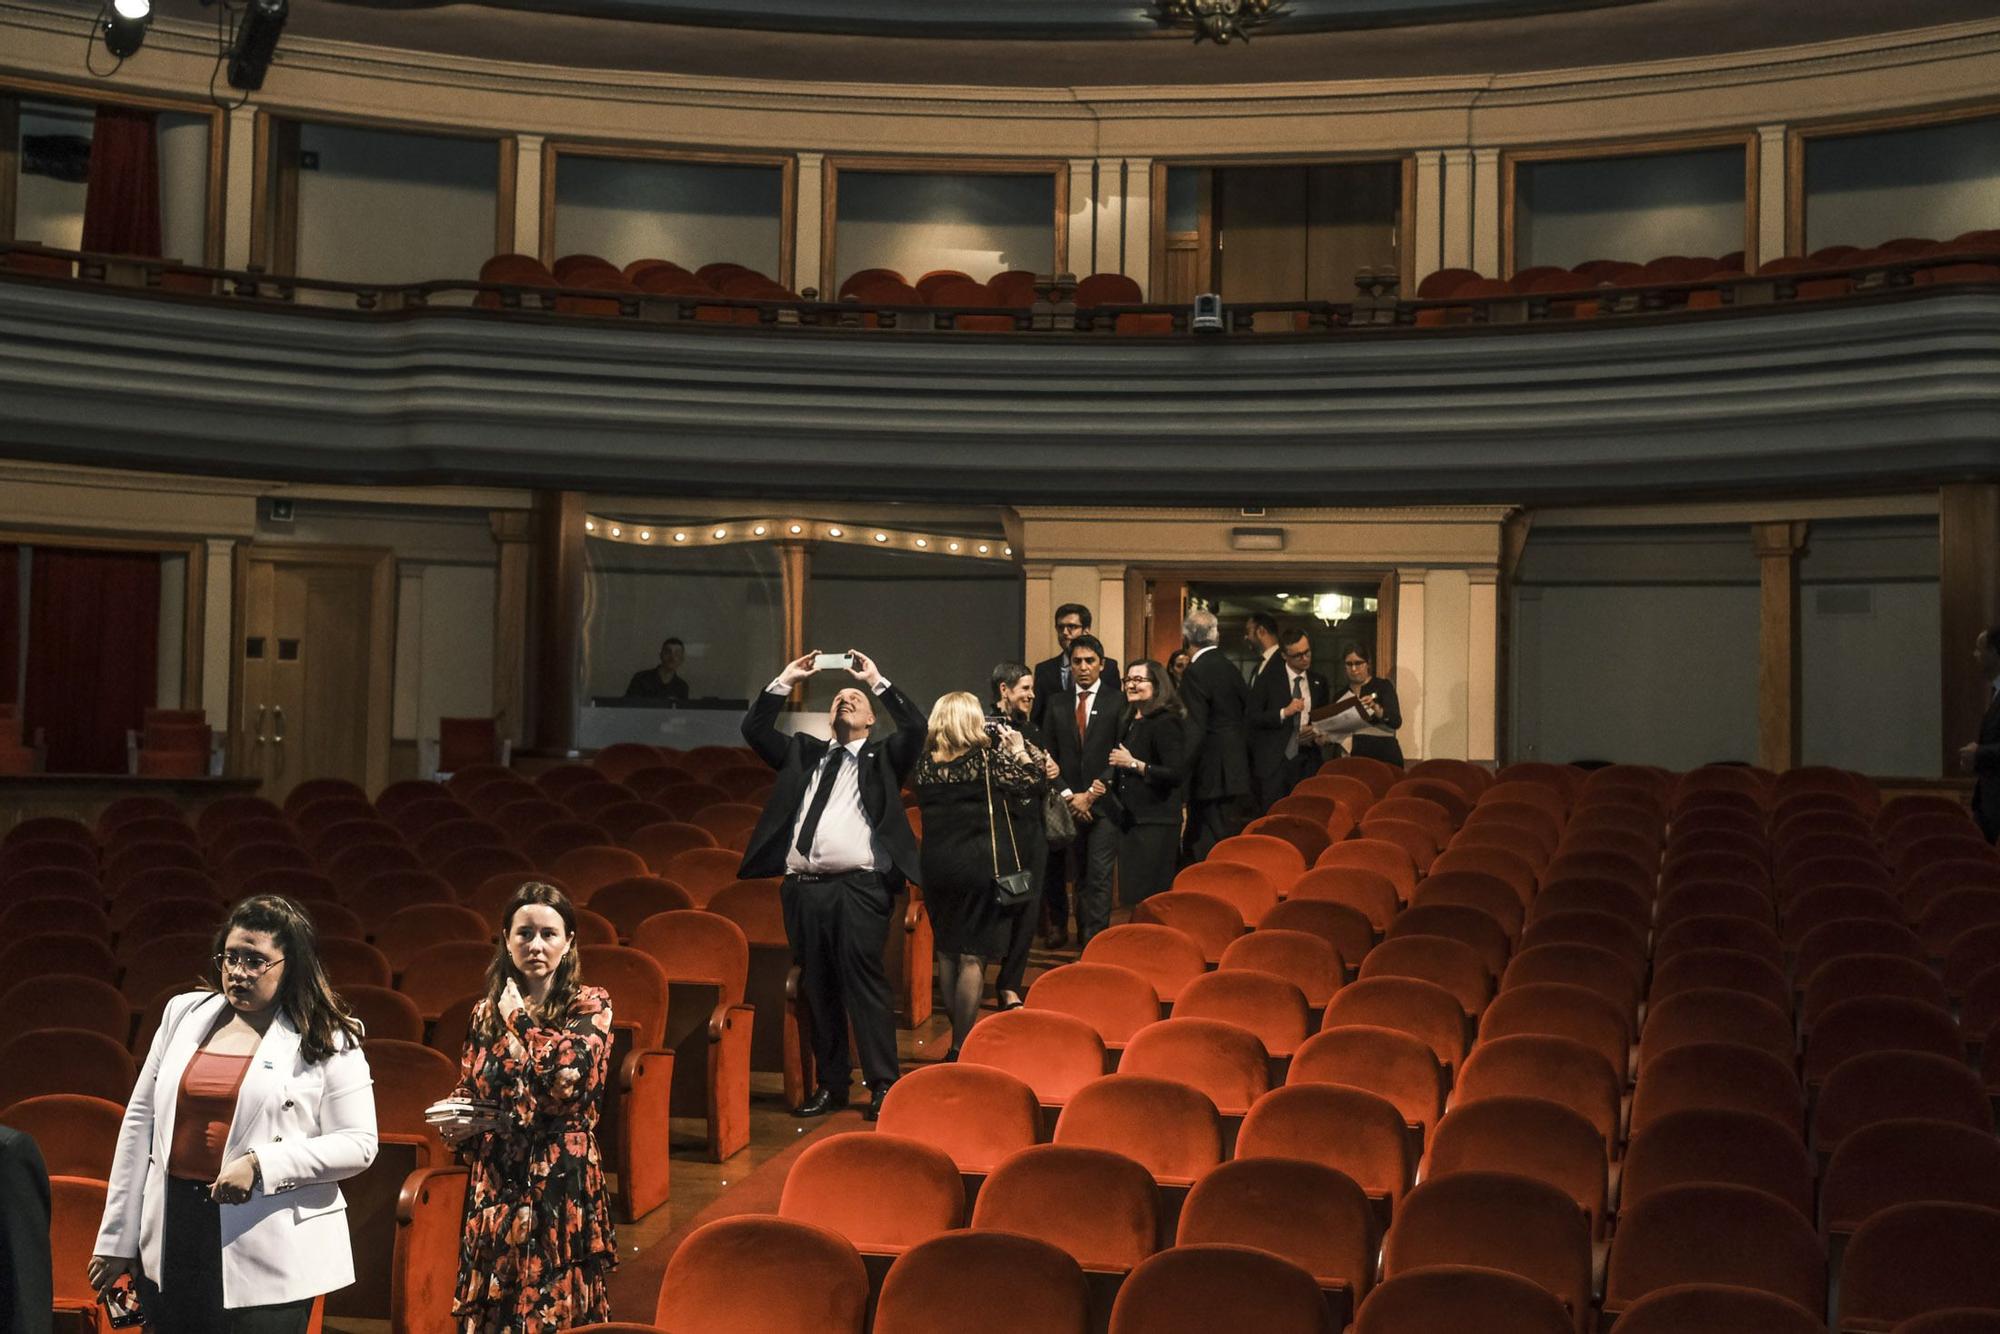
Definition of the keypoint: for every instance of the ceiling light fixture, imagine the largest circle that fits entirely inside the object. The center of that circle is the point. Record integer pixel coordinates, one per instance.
(256, 42)
(1218, 21)
(123, 24)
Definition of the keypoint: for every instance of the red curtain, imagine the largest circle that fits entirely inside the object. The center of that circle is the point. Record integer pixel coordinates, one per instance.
(10, 624)
(121, 206)
(93, 653)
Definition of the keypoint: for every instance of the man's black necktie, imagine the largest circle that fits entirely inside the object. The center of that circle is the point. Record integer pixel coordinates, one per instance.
(818, 807)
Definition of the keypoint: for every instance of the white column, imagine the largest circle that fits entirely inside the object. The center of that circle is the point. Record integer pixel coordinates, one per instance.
(1427, 227)
(1773, 198)
(1108, 616)
(1482, 666)
(238, 218)
(218, 633)
(1107, 220)
(184, 187)
(1457, 210)
(808, 215)
(1139, 222)
(1486, 255)
(528, 194)
(1083, 206)
(1410, 674)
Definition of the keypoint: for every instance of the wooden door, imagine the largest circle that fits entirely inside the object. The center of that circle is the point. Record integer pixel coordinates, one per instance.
(314, 631)
(1261, 224)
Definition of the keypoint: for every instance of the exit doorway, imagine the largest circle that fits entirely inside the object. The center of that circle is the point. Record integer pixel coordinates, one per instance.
(1333, 606)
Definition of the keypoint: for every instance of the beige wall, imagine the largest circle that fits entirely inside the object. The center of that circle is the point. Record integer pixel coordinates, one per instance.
(387, 207)
(691, 213)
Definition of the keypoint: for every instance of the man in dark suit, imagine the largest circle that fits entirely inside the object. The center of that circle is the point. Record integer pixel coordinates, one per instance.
(1303, 691)
(1052, 686)
(1218, 762)
(835, 829)
(27, 1294)
(1269, 694)
(1082, 727)
(1982, 757)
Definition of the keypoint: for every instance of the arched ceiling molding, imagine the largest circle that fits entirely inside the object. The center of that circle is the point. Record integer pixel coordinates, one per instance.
(1898, 392)
(1957, 63)
(1039, 20)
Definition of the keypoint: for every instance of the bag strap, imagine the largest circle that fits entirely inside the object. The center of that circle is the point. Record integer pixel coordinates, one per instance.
(992, 835)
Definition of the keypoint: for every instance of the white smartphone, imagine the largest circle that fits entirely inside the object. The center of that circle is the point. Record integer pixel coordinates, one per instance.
(829, 662)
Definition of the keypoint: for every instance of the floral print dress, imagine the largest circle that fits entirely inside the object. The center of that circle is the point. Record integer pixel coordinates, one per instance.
(538, 1245)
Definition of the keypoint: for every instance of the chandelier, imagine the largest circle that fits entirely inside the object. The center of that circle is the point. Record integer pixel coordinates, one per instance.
(1218, 21)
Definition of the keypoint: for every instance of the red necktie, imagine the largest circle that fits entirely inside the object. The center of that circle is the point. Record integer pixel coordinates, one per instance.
(1082, 711)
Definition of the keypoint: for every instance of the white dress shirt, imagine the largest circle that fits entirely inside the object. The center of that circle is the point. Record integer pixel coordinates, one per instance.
(844, 840)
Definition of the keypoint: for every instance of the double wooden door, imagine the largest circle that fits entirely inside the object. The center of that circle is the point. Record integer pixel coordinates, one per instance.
(314, 650)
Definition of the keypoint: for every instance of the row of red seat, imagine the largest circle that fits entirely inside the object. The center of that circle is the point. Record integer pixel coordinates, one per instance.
(1835, 271)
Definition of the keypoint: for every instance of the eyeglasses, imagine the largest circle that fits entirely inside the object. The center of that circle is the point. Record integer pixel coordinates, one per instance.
(1355, 662)
(1296, 655)
(250, 965)
(1138, 680)
(1069, 625)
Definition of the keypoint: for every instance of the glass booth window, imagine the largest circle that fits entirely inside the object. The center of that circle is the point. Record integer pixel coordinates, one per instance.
(725, 606)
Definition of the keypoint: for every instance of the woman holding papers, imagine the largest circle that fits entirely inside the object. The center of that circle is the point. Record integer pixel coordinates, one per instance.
(1367, 715)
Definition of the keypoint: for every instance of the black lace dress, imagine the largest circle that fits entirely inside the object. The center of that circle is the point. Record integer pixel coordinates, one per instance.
(958, 846)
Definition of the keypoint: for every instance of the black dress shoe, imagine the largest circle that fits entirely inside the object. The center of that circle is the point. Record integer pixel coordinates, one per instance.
(874, 1107)
(822, 1102)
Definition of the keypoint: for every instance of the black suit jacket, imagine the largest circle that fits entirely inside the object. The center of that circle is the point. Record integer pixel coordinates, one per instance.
(1082, 758)
(27, 1293)
(1986, 768)
(883, 767)
(1217, 760)
(1159, 741)
(1384, 748)
(1049, 685)
(1269, 733)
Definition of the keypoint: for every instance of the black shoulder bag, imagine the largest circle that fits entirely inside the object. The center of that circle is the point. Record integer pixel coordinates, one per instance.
(1016, 887)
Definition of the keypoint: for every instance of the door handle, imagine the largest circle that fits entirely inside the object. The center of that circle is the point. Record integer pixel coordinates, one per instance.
(278, 719)
(261, 710)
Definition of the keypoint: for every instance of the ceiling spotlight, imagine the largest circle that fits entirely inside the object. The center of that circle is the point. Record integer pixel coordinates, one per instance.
(645, 534)
(124, 26)
(617, 532)
(590, 525)
(797, 529)
(983, 548)
(881, 537)
(680, 537)
(834, 532)
(256, 42)
(923, 542)
(758, 531)
(952, 546)
(1006, 551)
(721, 533)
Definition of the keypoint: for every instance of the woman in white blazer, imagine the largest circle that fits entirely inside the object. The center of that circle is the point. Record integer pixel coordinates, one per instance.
(254, 1100)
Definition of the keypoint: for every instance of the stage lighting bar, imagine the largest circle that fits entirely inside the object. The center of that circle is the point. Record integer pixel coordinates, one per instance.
(732, 532)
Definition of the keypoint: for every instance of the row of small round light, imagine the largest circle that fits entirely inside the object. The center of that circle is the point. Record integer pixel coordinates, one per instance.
(778, 530)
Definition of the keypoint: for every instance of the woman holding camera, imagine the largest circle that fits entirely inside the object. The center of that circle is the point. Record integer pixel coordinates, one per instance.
(964, 787)
(538, 1246)
(255, 1099)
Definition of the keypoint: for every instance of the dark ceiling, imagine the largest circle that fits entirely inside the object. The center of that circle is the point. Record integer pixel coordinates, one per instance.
(1618, 33)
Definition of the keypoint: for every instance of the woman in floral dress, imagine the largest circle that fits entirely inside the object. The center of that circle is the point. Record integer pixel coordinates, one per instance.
(538, 1245)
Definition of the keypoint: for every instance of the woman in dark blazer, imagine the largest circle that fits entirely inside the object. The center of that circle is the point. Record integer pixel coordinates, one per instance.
(1145, 777)
(1376, 740)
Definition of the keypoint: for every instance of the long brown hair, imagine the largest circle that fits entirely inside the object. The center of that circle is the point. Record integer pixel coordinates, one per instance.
(568, 979)
(304, 994)
(1166, 699)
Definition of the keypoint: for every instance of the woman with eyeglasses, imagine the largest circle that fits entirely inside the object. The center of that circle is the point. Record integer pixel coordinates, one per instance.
(1145, 780)
(1378, 712)
(538, 1246)
(254, 1101)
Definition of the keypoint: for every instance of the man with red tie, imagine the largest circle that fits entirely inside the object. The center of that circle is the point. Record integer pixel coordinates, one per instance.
(1082, 727)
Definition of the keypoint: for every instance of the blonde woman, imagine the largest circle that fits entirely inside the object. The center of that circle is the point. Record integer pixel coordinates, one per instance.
(963, 785)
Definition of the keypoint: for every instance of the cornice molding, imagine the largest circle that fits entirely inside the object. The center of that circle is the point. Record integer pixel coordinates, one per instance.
(317, 76)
